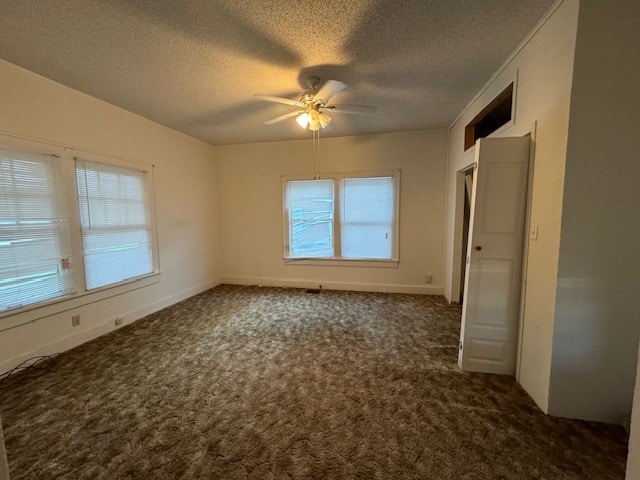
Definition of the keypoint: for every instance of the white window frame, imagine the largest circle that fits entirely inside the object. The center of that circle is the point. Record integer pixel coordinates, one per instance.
(148, 171)
(61, 238)
(66, 156)
(337, 259)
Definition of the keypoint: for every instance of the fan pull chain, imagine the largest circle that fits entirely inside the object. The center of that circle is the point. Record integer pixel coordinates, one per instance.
(317, 152)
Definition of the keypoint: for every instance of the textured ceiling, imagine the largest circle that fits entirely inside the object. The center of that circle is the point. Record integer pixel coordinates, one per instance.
(193, 65)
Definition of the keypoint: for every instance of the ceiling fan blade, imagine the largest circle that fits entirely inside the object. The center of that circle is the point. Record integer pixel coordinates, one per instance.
(272, 98)
(354, 109)
(283, 117)
(328, 90)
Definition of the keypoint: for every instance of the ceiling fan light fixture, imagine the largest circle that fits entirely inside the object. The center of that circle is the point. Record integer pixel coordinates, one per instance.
(303, 119)
(324, 119)
(314, 120)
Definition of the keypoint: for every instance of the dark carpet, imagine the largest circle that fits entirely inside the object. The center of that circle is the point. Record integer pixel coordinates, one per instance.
(268, 383)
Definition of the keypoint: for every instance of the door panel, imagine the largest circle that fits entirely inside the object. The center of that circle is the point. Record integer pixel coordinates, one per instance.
(494, 260)
(499, 211)
(491, 283)
(487, 351)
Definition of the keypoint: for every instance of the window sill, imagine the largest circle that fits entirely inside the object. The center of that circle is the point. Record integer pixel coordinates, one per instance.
(30, 313)
(342, 262)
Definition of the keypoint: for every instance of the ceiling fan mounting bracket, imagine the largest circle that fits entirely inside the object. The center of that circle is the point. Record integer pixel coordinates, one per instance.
(313, 83)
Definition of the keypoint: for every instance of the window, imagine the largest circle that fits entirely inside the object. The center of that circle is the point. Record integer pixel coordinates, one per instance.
(68, 229)
(311, 215)
(342, 217)
(115, 220)
(35, 255)
(367, 217)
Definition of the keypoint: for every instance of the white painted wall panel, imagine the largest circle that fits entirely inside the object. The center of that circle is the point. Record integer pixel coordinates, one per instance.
(633, 459)
(251, 209)
(185, 193)
(544, 70)
(597, 324)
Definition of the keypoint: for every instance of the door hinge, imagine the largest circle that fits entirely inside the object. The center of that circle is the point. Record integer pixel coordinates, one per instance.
(475, 165)
(460, 345)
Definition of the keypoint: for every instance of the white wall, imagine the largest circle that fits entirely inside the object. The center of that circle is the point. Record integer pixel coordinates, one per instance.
(544, 70)
(633, 459)
(250, 197)
(597, 324)
(185, 191)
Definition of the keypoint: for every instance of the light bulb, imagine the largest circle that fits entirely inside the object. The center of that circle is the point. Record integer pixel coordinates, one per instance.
(303, 119)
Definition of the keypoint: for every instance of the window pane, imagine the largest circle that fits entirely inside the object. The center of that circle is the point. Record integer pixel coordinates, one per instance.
(310, 205)
(367, 217)
(116, 223)
(34, 236)
(113, 257)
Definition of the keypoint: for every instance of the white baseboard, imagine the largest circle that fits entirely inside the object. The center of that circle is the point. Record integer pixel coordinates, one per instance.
(79, 338)
(355, 287)
(170, 300)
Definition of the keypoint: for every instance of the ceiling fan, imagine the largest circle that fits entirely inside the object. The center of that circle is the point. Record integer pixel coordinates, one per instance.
(313, 105)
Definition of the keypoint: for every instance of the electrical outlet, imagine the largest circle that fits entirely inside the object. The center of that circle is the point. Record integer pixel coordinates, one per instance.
(428, 278)
(118, 321)
(75, 320)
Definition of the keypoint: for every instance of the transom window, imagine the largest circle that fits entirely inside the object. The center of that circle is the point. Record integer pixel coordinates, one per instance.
(342, 217)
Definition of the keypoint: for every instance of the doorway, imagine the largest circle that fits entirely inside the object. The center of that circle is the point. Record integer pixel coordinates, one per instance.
(493, 278)
(466, 215)
(461, 218)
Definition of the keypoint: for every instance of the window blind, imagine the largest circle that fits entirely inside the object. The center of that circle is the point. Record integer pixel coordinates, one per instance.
(115, 220)
(367, 217)
(35, 250)
(310, 206)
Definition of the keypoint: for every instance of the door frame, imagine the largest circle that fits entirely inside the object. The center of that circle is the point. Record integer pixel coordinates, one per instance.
(467, 161)
(525, 248)
(458, 224)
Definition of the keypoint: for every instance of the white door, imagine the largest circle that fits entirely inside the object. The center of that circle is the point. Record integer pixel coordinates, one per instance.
(491, 302)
